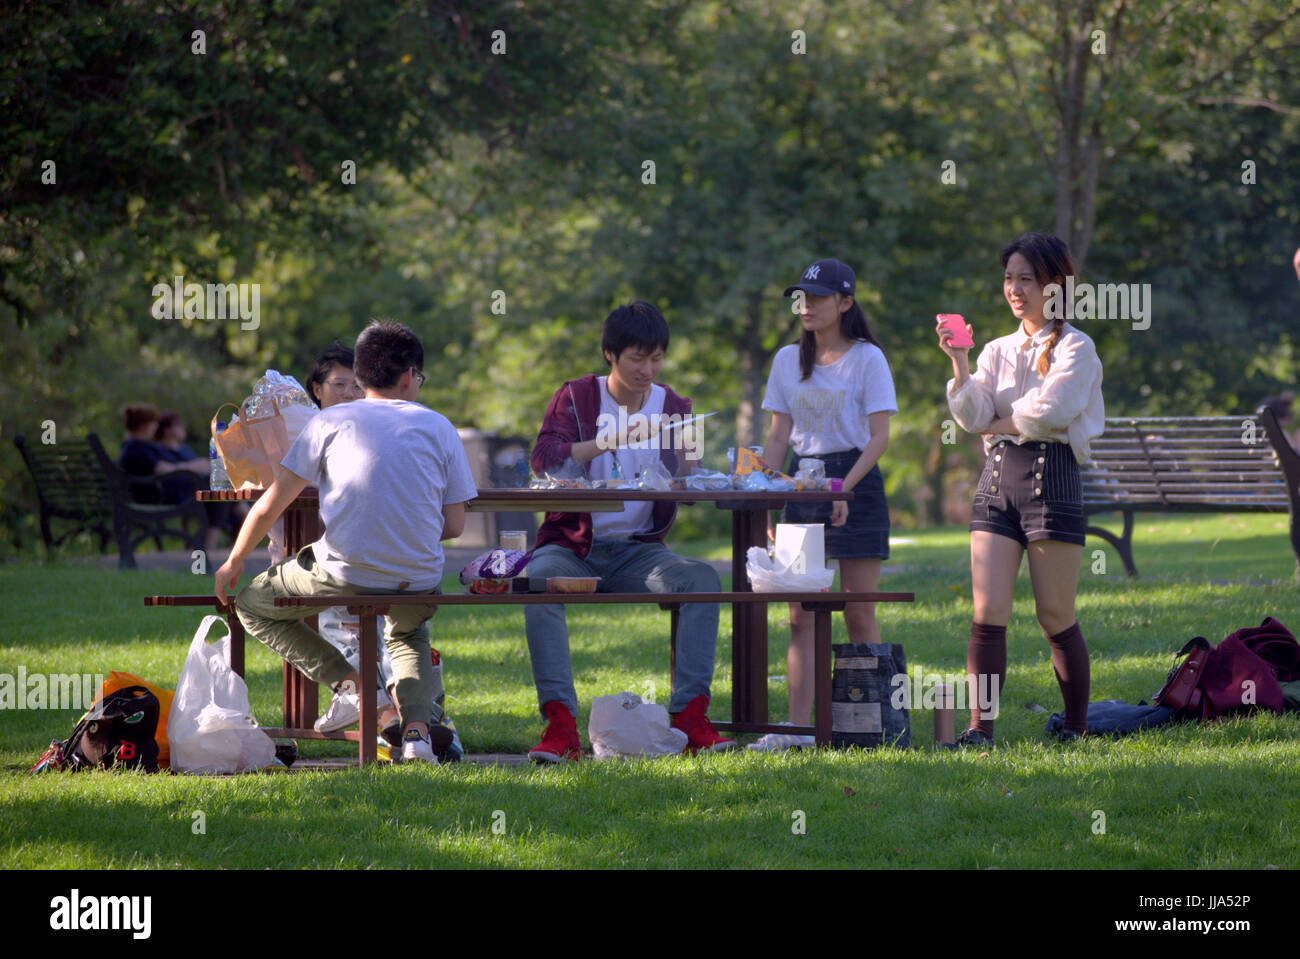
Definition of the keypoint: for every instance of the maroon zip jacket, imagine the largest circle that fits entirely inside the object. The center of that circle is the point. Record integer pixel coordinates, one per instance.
(571, 418)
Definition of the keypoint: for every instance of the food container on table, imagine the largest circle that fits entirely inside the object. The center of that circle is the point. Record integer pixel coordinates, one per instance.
(571, 584)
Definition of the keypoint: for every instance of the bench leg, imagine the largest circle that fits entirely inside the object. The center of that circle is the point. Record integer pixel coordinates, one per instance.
(1123, 543)
(822, 669)
(122, 534)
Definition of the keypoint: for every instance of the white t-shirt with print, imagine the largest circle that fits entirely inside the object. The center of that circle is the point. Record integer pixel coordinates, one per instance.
(636, 517)
(385, 469)
(830, 408)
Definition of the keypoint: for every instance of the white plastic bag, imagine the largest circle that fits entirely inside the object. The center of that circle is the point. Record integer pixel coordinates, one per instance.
(211, 728)
(766, 576)
(623, 725)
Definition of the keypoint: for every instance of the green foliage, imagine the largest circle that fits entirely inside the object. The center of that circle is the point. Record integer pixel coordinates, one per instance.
(524, 173)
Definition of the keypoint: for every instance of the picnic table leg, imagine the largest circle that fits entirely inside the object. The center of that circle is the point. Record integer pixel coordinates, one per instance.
(822, 669)
(749, 623)
(301, 698)
(369, 751)
(236, 643)
(672, 648)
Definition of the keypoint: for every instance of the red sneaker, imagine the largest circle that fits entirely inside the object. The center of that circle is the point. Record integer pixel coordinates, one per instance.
(699, 731)
(560, 741)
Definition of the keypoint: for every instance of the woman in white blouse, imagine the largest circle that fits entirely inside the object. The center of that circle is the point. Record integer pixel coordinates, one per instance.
(1035, 397)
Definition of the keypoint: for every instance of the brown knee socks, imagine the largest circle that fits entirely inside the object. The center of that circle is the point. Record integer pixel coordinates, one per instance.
(986, 670)
(1073, 674)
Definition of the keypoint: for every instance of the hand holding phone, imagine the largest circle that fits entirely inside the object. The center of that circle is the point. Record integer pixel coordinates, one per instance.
(955, 323)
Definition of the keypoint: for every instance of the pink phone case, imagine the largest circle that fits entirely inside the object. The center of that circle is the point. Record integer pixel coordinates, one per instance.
(957, 324)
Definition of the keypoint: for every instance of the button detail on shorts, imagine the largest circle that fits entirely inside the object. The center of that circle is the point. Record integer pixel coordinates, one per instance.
(995, 472)
(1038, 492)
(998, 457)
(1042, 459)
(994, 489)
(1042, 446)
(1038, 476)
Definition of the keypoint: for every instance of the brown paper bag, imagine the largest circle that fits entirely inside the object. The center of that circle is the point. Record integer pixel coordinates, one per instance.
(252, 448)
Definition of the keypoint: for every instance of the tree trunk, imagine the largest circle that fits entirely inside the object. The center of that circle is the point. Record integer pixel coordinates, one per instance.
(752, 356)
(1077, 160)
(932, 515)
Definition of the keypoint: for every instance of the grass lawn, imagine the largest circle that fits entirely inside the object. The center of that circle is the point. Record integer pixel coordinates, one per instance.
(1211, 797)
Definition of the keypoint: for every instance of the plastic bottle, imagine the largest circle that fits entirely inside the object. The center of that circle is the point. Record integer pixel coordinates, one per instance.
(217, 478)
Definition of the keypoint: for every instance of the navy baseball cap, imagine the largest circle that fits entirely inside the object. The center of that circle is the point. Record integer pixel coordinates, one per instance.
(824, 278)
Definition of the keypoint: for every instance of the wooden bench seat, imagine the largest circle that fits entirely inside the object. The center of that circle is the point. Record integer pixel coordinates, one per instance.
(1219, 464)
(370, 606)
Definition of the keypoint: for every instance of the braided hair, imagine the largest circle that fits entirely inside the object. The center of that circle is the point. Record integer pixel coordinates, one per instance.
(1051, 262)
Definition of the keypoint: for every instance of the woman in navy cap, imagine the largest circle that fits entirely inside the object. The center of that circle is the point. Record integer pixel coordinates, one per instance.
(1035, 397)
(831, 396)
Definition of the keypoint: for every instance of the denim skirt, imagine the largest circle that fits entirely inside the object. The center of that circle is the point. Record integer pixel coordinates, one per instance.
(865, 535)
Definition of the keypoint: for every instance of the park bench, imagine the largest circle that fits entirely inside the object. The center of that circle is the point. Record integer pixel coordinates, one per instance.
(1215, 464)
(76, 481)
(370, 606)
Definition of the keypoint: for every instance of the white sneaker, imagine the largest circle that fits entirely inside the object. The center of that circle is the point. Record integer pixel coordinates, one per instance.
(417, 748)
(780, 742)
(345, 708)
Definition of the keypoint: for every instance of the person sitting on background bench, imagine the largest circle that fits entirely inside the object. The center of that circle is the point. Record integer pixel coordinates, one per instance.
(393, 481)
(179, 475)
(625, 549)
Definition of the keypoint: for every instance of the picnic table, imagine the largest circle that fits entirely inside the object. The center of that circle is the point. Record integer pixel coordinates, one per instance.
(749, 519)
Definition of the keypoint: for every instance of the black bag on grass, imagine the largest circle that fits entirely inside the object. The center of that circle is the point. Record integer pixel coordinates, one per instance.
(863, 712)
(117, 733)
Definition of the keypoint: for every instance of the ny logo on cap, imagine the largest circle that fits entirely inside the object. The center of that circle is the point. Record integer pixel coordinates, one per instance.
(812, 272)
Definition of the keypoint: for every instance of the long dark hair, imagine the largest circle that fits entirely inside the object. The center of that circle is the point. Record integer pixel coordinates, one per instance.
(853, 324)
(1051, 261)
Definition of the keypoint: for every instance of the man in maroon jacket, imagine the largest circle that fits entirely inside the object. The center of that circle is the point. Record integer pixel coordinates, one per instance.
(608, 427)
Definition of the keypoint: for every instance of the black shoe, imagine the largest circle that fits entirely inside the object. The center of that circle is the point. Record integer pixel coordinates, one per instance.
(971, 738)
(1068, 736)
(440, 738)
(392, 734)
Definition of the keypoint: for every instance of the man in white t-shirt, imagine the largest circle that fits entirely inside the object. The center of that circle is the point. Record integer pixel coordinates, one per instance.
(393, 480)
(599, 426)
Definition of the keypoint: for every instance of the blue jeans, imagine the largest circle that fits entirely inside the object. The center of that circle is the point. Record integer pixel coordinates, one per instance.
(624, 567)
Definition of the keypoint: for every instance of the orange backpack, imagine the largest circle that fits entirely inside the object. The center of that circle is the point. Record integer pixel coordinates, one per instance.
(119, 680)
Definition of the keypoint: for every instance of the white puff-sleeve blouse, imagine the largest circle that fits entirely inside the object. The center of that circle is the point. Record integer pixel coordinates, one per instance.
(1065, 405)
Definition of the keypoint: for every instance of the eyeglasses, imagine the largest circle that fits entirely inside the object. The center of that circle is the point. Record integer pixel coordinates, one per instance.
(419, 377)
(345, 385)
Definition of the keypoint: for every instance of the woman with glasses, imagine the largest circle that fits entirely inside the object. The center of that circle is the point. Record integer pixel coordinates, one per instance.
(331, 381)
